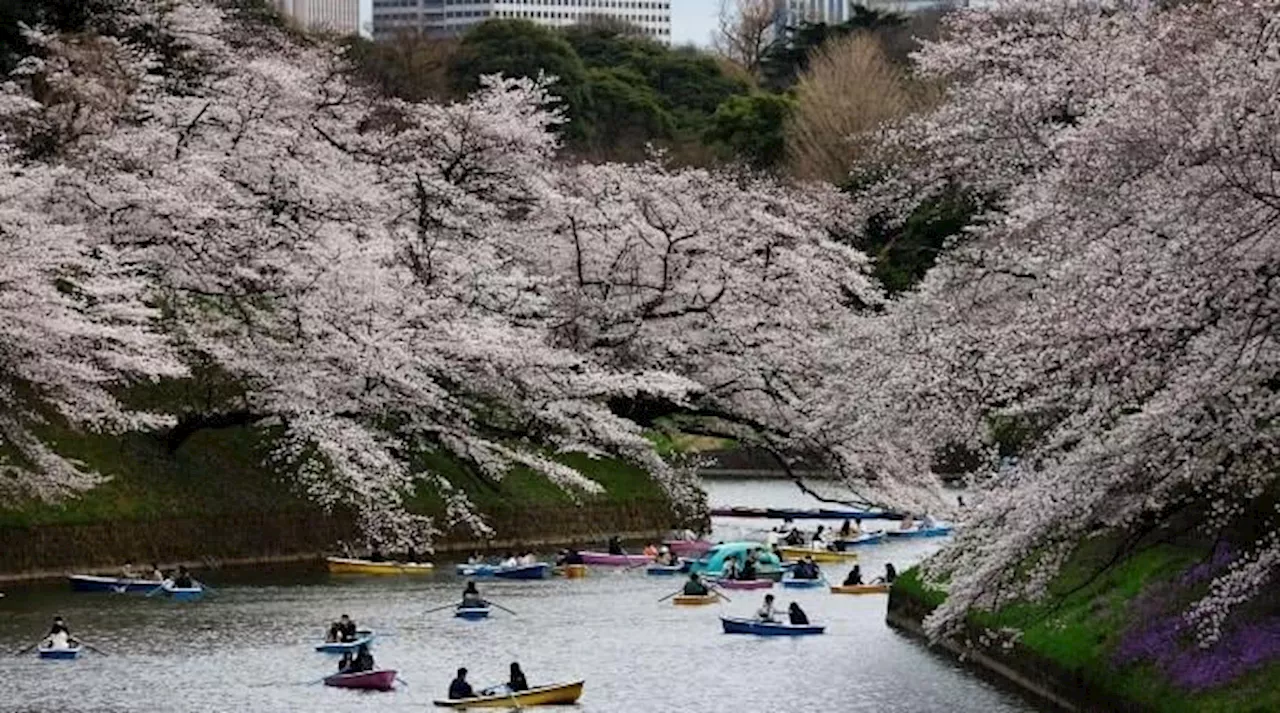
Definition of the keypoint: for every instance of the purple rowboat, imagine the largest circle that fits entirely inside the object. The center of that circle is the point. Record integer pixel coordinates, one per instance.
(365, 680)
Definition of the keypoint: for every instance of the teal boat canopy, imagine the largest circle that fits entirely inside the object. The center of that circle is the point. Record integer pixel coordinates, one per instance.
(712, 562)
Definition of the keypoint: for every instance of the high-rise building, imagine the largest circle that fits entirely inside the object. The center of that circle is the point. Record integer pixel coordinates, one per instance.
(341, 16)
(790, 13)
(452, 17)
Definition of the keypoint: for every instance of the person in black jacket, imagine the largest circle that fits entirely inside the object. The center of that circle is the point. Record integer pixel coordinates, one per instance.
(517, 682)
(854, 577)
(346, 629)
(362, 662)
(460, 688)
(797, 615)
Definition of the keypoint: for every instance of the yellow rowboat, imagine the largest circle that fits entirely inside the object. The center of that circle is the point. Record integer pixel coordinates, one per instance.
(345, 565)
(572, 571)
(693, 600)
(799, 553)
(556, 694)
(860, 589)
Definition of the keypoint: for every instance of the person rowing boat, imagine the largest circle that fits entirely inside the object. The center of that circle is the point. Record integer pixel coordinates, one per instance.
(695, 587)
(59, 636)
(766, 611)
(854, 578)
(361, 662)
(459, 688)
(806, 569)
(471, 596)
(343, 630)
(182, 580)
(615, 546)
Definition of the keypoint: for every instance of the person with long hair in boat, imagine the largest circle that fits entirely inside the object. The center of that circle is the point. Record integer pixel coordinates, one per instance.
(182, 579)
(615, 546)
(694, 586)
(806, 569)
(375, 554)
(517, 682)
(157, 574)
(854, 578)
(748, 572)
(459, 688)
(890, 574)
(796, 615)
(730, 568)
(819, 541)
(766, 611)
(59, 636)
(908, 523)
(362, 661)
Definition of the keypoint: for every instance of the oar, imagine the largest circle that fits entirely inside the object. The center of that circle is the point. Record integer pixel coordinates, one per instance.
(28, 649)
(442, 608)
(721, 594)
(94, 649)
(678, 591)
(156, 591)
(502, 608)
(402, 681)
(206, 587)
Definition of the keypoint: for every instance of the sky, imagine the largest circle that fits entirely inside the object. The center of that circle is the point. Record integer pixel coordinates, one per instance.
(691, 20)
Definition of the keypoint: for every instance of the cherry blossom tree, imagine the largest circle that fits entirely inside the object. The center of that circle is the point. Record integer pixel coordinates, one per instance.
(1120, 303)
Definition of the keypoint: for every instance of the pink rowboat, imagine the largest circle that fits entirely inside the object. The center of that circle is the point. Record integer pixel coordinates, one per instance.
(604, 558)
(683, 548)
(365, 680)
(744, 583)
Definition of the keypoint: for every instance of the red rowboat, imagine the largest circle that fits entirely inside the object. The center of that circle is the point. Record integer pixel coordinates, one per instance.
(365, 680)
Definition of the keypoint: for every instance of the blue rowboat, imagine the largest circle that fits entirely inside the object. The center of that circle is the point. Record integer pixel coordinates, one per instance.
(364, 637)
(541, 570)
(472, 613)
(733, 625)
(476, 570)
(935, 531)
(793, 583)
(867, 538)
(666, 570)
(183, 594)
(119, 585)
(68, 653)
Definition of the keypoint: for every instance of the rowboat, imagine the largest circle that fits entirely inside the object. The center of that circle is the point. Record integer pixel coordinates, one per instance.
(734, 625)
(693, 600)
(604, 558)
(572, 571)
(799, 553)
(794, 583)
(60, 652)
(120, 585)
(935, 531)
(860, 589)
(666, 570)
(556, 694)
(540, 570)
(347, 565)
(744, 583)
(685, 548)
(866, 538)
(182, 594)
(472, 613)
(364, 637)
(365, 680)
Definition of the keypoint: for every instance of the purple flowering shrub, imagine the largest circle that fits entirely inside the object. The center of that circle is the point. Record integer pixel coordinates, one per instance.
(1162, 635)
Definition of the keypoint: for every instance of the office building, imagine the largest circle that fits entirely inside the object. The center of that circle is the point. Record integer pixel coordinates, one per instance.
(341, 16)
(452, 17)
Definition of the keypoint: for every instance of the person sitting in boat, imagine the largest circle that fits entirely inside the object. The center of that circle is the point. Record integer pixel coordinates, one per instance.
(695, 587)
(363, 661)
(182, 580)
(927, 521)
(795, 538)
(730, 568)
(907, 523)
(517, 682)
(59, 636)
(806, 569)
(347, 630)
(127, 571)
(890, 574)
(797, 615)
(615, 546)
(672, 560)
(748, 572)
(411, 555)
(345, 664)
(475, 559)
(819, 540)
(766, 612)
(574, 557)
(854, 578)
(459, 688)
(334, 634)
(529, 559)
(375, 555)
(846, 529)
(471, 596)
(651, 552)
(157, 574)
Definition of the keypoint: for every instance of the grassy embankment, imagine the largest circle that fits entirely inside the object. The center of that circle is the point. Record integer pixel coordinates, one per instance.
(1091, 615)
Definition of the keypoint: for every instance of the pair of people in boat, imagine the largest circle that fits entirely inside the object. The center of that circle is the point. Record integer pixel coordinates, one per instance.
(806, 569)
(361, 662)
(459, 688)
(511, 560)
(747, 572)
(128, 572)
(795, 615)
(343, 630)
(662, 556)
(909, 523)
(854, 578)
